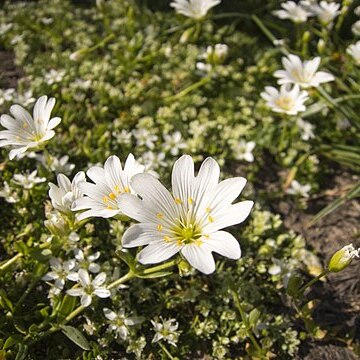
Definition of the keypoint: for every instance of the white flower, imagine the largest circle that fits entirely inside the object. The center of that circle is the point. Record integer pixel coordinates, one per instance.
(306, 129)
(299, 190)
(119, 322)
(87, 262)
(63, 196)
(326, 12)
(215, 54)
(203, 67)
(6, 95)
(302, 73)
(144, 138)
(195, 9)
(287, 100)
(54, 76)
(89, 287)
(8, 194)
(356, 28)
(189, 219)
(354, 52)
(243, 150)
(292, 11)
(60, 272)
(25, 132)
(166, 330)
(4, 28)
(111, 182)
(28, 181)
(26, 98)
(173, 143)
(357, 11)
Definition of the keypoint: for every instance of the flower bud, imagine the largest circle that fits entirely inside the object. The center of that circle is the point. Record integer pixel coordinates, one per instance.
(342, 258)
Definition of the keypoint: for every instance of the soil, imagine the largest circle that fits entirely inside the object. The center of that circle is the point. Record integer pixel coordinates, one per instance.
(9, 73)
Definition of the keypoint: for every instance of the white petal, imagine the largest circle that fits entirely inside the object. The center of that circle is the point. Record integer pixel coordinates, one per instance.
(86, 300)
(140, 235)
(199, 257)
(224, 244)
(100, 279)
(102, 292)
(183, 177)
(76, 292)
(157, 252)
(84, 277)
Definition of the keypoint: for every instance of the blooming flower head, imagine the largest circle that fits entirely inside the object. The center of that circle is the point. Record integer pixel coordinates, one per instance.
(354, 52)
(195, 9)
(325, 11)
(87, 262)
(174, 143)
(110, 183)
(25, 132)
(28, 180)
(9, 194)
(88, 288)
(63, 196)
(356, 28)
(292, 11)
(243, 150)
(187, 220)
(299, 190)
(288, 101)
(306, 129)
(304, 74)
(166, 330)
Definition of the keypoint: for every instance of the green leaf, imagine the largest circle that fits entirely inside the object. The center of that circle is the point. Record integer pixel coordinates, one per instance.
(294, 285)
(75, 336)
(67, 306)
(5, 302)
(254, 317)
(22, 352)
(127, 258)
(12, 340)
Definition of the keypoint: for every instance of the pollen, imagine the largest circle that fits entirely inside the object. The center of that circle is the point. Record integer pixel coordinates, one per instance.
(190, 201)
(126, 189)
(178, 201)
(109, 208)
(117, 189)
(211, 219)
(159, 227)
(105, 199)
(159, 215)
(112, 196)
(208, 210)
(166, 239)
(198, 242)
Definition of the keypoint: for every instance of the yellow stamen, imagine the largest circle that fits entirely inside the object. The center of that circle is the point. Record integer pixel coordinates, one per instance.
(105, 199)
(117, 189)
(126, 189)
(208, 210)
(112, 196)
(190, 201)
(109, 208)
(159, 227)
(166, 239)
(178, 201)
(159, 215)
(211, 219)
(198, 242)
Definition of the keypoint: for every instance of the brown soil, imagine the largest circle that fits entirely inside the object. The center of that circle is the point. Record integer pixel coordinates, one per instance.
(9, 73)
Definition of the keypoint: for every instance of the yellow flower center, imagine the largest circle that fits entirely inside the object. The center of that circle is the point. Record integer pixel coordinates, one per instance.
(285, 102)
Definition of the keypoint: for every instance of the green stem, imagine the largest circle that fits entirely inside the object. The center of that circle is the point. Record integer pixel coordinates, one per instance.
(245, 321)
(122, 280)
(190, 88)
(166, 351)
(159, 267)
(313, 281)
(102, 42)
(9, 262)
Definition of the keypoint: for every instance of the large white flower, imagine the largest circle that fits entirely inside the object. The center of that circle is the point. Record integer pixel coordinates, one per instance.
(354, 51)
(189, 219)
(287, 100)
(111, 181)
(292, 11)
(195, 9)
(26, 132)
(63, 196)
(302, 73)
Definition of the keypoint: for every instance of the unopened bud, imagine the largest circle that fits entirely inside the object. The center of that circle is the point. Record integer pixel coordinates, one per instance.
(342, 258)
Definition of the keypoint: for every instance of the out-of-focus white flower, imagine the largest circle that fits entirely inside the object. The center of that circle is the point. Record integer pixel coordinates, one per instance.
(6, 95)
(203, 67)
(25, 99)
(47, 21)
(343, 257)
(123, 137)
(354, 51)
(145, 138)
(173, 143)
(119, 322)
(4, 28)
(189, 219)
(63, 196)
(280, 268)
(357, 11)
(61, 165)
(54, 76)
(89, 287)
(195, 9)
(28, 181)
(304, 74)
(215, 54)
(166, 330)
(288, 100)
(60, 271)
(153, 161)
(25, 132)
(299, 190)
(306, 129)
(292, 11)
(356, 28)
(57, 224)
(243, 150)
(279, 42)
(326, 12)
(87, 262)
(110, 183)
(9, 194)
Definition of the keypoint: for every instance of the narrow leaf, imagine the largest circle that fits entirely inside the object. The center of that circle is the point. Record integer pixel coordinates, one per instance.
(75, 336)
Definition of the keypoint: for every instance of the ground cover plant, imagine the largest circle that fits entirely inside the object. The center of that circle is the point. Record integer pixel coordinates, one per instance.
(179, 179)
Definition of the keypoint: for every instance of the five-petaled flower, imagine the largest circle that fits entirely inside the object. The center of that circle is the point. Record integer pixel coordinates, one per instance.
(189, 219)
(195, 9)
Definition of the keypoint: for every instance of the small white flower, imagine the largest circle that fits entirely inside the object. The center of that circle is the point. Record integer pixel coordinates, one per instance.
(8, 194)
(54, 76)
(203, 67)
(302, 73)
(195, 9)
(173, 143)
(89, 287)
(4, 28)
(110, 183)
(356, 28)
(243, 150)
(326, 12)
(6, 95)
(292, 11)
(25, 132)
(87, 262)
(166, 330)
(63, 196)
(288, 101)
(60, 272)
(354, 52)
(189, 219)
(119, 322)
(357, 11)
(299, 190)
(144, 138)
(153, 161)
(215, 54)
(28, 181)
(306, 129)
(26, 98)
(122, 137)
